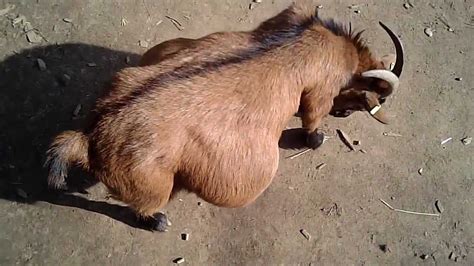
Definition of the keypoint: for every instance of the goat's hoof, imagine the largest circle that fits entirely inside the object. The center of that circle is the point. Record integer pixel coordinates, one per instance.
(157, 222)
(314, 140)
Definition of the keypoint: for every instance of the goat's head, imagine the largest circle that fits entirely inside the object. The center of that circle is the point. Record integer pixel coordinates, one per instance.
(371, 84)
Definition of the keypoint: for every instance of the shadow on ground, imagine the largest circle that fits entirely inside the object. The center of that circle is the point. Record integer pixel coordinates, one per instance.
(37, 103)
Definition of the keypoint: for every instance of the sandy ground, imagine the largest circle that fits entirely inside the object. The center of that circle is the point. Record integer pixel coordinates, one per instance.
(84, 42)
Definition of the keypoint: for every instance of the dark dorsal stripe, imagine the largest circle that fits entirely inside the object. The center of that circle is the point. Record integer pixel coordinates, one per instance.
(280, 30)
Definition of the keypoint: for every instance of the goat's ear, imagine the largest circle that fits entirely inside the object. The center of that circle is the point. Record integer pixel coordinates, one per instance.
(374, 108)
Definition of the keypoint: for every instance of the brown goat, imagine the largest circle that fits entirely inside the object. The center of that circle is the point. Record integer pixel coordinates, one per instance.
(209, 120)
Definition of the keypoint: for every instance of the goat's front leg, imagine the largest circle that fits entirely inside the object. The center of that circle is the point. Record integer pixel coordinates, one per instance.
(314, 139)
(313, 112)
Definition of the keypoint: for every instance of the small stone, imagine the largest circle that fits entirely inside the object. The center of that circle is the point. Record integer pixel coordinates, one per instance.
(319, 7)
(185, 236)
(356, 142)
(305, 234)
(20, 192)
(76, 111)
(424, 257)
(178, 260)
(363, 151)
(257, 1)
(429, 32)
(41, 64)
(143, 43)
(384, 248)
(91, 64)
(33, 37)
(458, 79)
(67, 20)
(439, 206)
(128, 60)
(199, 203)
(466, 140)
(453, 256)
(65, 79)
(420, 171)
(407, 5)
(357, 11)
(450, 29)
(251, 6)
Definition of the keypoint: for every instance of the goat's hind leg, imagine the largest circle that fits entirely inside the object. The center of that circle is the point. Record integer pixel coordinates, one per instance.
(148, 195)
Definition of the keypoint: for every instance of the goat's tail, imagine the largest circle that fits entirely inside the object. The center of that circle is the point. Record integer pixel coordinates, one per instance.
(68, 147)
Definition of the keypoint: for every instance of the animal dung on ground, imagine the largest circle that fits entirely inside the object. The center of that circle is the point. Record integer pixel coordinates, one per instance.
(305, 234)
(345, 139)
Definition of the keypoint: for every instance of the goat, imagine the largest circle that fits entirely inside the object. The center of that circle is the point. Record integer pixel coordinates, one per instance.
(209, 120)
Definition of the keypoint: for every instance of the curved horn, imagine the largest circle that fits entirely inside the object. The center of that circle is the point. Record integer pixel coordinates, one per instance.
(397, 68)
(382, 74)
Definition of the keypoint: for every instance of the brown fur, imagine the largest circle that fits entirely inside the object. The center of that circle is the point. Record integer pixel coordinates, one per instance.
(349, 100)
(211, 119)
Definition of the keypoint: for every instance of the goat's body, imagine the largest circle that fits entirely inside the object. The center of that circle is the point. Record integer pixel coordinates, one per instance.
(217, 132)
(210, 120)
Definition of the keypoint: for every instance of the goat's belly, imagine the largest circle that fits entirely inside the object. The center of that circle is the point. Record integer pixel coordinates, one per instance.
(231, 178)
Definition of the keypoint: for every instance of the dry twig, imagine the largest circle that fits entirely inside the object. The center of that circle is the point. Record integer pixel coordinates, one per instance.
(409, 212)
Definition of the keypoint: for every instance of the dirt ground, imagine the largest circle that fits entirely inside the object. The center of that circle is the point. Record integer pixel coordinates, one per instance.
(82, 43)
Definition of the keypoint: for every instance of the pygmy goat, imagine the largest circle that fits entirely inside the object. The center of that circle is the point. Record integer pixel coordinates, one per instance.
(208, 120)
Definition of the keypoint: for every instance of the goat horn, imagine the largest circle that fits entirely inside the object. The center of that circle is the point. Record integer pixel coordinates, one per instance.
(382, 74)
(397, 68)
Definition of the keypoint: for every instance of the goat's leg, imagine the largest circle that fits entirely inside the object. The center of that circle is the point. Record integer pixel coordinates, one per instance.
(146, 192)
(312, 116)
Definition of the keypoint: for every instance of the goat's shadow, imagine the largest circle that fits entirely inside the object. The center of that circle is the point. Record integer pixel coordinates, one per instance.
(38, 103)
